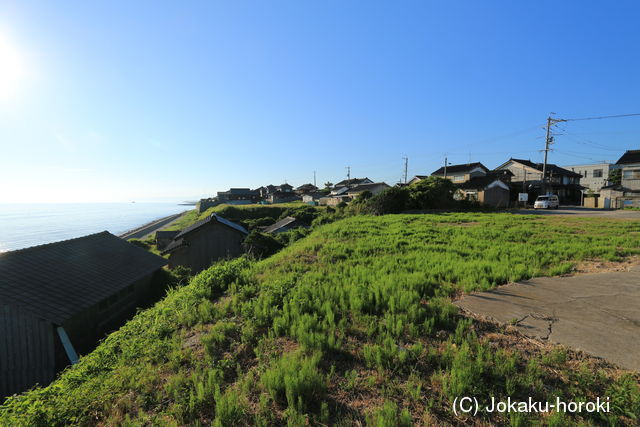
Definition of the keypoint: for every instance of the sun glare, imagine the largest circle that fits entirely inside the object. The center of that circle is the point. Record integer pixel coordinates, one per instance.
(12, 68)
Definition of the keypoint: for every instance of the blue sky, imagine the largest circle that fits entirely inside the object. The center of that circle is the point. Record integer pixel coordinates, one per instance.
(121, 100)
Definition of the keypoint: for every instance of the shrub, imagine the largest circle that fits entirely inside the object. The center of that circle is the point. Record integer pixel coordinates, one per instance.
(261, 245)
(390, 201)
(295, 381)
(431, 193)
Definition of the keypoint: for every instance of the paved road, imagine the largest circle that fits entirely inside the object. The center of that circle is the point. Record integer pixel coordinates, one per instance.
(582, 211)
(596, 313)
(152, 227)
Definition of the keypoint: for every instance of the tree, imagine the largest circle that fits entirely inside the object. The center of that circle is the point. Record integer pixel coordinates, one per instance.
(328, 185)
(431, 193)
(615, 176)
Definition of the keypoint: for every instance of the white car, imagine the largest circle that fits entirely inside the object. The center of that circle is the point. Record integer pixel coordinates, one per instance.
(547, 202)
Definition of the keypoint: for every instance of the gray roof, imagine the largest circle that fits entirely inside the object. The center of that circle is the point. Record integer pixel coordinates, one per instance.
(57, 280)
(367, 187)
(630, 156)
(467, 167)
(207, 220)
(278, 225)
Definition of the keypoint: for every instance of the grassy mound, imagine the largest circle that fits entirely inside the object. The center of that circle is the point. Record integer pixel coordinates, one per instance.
(351, 324)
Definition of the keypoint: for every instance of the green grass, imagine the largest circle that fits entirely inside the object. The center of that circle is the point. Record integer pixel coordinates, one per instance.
(352, 323)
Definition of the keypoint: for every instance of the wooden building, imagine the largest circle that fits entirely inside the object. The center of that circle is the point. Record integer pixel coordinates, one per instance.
(199, 245)
(58, 300)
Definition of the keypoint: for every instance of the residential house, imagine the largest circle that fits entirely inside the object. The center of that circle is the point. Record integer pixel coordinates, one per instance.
(284, 224)
(352, 182)
(627, 193)
(374, 188)
(527, 177)
(313, 197)
(306, 188)
(58, 300)
(461, 173)
(199, 245)
(417, 178)
(594, 176)
(238, 196)
(491, 189)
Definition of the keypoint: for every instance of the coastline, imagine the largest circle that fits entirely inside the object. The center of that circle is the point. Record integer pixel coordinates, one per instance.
(151, 227)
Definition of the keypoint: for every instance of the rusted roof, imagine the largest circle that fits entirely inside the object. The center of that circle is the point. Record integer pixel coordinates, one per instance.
(57, 280)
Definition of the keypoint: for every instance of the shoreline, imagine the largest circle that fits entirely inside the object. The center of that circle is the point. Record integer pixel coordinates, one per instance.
(151, 227)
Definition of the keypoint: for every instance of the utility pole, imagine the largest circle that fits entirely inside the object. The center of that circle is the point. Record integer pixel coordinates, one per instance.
(548, 141)
(406, 167)
(314, 178)
(348, 173)
(445, 167)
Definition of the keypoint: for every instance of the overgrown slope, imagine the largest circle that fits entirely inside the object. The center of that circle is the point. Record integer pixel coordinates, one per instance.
(352, 323)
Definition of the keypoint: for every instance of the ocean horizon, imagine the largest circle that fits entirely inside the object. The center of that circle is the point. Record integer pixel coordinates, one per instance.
(29, 224)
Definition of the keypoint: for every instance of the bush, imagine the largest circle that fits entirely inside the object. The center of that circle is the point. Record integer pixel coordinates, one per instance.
(295, 380)
(261, 245)
(431, 193)
(390, 201)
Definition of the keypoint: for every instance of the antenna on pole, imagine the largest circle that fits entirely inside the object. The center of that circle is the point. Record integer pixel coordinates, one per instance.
(406, 167)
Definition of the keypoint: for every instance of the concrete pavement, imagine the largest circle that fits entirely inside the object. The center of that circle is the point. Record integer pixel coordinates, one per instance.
(582, 211)
(596, 313)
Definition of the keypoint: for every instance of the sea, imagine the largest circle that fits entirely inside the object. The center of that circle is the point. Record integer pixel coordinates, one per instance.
(28, 224)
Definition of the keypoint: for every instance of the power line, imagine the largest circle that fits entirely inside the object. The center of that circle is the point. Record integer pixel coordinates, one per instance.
(602, 117)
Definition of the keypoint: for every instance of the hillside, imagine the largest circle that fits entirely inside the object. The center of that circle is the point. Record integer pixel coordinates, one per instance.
(352, 323)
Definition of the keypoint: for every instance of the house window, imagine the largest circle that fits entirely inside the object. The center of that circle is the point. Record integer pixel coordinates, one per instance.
(458, 178)
(631, 174)
(597, 173)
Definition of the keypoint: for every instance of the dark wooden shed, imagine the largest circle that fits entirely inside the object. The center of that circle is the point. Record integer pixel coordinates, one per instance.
(199, 245)
(58, 300)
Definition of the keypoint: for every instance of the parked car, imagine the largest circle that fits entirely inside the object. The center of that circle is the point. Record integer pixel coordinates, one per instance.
(547, 202)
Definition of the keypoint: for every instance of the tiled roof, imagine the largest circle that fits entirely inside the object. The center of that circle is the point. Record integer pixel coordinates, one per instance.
(364, 187)
(57, 280)
(551, 168)
(207, 220)
(467, 167)
(478, 183)
(278, 225)
(630, 156)
(352, 181)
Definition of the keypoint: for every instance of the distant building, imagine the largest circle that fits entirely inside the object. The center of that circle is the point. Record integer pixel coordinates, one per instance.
(238, 196)
(491, 189)
(284, 224)
(374, 188)
(201, 244)
(352, 182)
(594, 176)
(627, 193)
(312, 197)
(461, 173)
(417, 178)
(527, 177)
(306, 188)
(58, 300)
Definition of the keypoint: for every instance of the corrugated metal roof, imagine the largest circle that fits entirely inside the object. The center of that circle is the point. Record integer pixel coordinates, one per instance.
(212, 217)
(278, 225)
(57, 280)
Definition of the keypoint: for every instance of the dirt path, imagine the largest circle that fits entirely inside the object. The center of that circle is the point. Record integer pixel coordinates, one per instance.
(596, 313)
